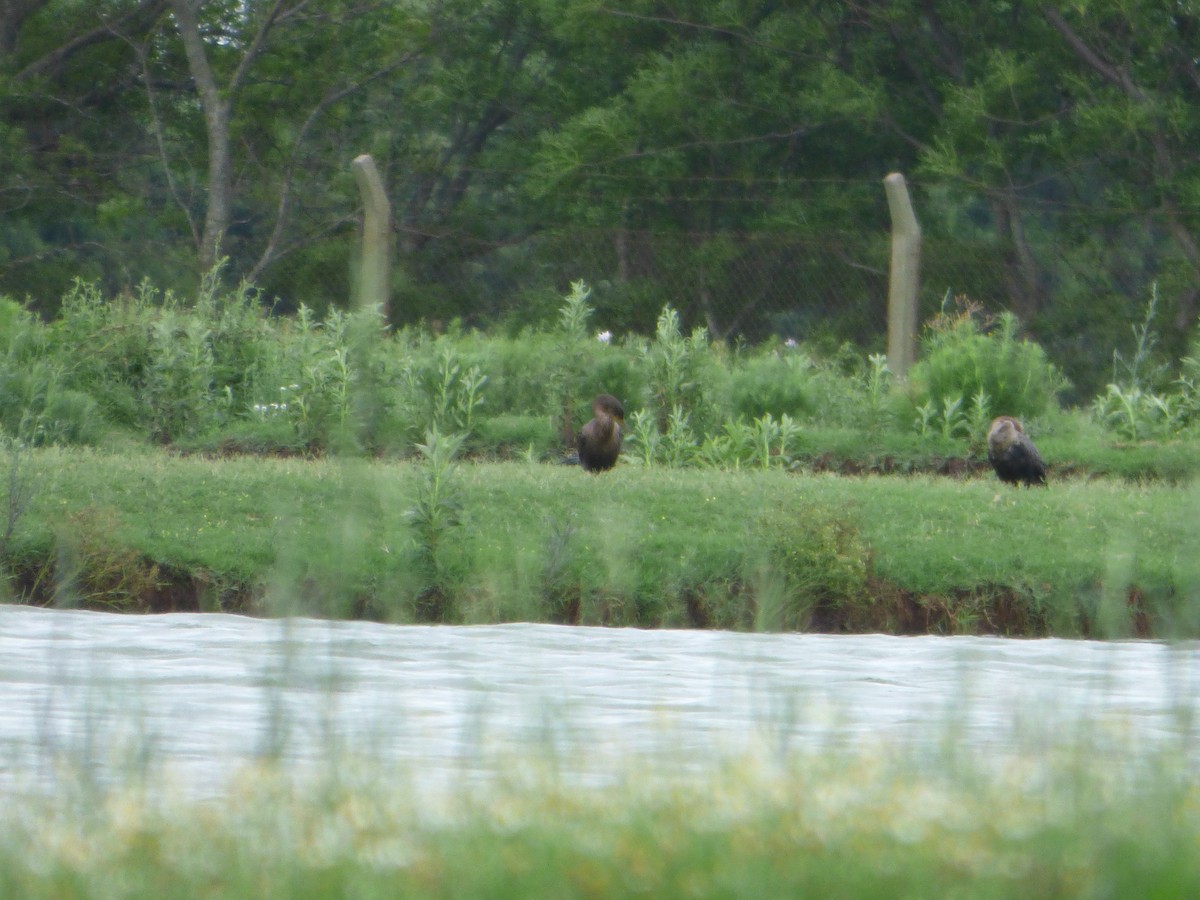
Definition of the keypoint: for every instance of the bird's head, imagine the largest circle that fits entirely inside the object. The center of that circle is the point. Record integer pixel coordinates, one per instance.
(609, 406)
(1003, 426)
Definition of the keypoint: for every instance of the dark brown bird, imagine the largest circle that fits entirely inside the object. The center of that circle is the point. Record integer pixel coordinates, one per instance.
(599, 441)
(1013, 455)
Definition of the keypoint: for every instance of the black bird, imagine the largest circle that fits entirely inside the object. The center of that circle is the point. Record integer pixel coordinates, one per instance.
(599, 441)
(1013, 455)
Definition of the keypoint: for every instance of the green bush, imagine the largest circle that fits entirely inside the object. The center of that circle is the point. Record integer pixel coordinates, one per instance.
(13, 318)
(776, 384)
(104, 347)
(815, 565)
(970, 372)
(69, 418)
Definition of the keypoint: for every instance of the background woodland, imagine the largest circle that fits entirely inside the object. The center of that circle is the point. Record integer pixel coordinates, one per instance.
(721, 157)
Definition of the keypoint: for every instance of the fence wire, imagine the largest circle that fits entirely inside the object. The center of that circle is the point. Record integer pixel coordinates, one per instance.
(1077, 285)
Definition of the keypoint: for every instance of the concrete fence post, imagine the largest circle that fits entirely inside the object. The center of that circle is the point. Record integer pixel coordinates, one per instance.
(904, 277)
(374, 261)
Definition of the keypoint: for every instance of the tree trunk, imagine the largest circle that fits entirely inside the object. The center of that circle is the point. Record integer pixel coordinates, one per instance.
(1022, 276)
(217, 111)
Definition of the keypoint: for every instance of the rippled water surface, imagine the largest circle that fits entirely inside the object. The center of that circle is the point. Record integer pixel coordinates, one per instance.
(202, 694)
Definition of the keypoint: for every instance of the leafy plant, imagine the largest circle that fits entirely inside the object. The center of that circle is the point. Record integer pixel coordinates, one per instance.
(816, 561)
(678, 444)
(1129, 406)
(435, 515)
(979, 417)
(964, 358)
(674, 367)
(440, 395)
(877, 385)
(19, 486)
(1139, 372)
(771, 437)
(566, 378)
(643, 442)
(730, 448)
(772, 384)
(954, 420)
(574, 313)
(1135, 414)
(1188, 391)
(178, 390)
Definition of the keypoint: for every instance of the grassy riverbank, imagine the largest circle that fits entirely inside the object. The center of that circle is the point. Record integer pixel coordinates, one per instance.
(868, 824)
(144, 530)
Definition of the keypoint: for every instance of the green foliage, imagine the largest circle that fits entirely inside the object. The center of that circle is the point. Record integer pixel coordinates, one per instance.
(877, 386)
(574, 314)
(682, 372)
(318, 391)
(1130, 406)
(1136, 415)
(435, 516)
(37, 404)
(643, 443)
(1140, 371)
(775, 384)
(765, 443)
(438, 394)
(70, 418)
(815, 561)
(673, 176)
(19, 487)
(568, 374)
(967, 373)
(221, 375)
(104, 346)
(179, 382)
(1188, 389)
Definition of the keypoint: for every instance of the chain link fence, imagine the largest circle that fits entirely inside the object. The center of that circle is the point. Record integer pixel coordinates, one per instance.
(1077, 275)
(1077, 281)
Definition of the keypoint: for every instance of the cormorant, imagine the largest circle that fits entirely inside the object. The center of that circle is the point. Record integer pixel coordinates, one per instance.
(599, 441)
(1013, 455)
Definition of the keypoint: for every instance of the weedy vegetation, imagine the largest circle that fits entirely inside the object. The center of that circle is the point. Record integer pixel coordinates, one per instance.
(162, 455)
(864, 823)
(205, 455)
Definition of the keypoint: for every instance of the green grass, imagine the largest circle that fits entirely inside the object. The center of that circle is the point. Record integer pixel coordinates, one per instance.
(650, 547)
(869, 823)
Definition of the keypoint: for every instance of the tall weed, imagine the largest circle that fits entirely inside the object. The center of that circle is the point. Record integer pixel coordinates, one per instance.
(1130, 405)
(682, 371)
(566, 379)
(179, 386)
(439, 394)
(435, 516)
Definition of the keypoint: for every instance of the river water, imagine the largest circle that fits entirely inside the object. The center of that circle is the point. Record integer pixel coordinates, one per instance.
(201, 695)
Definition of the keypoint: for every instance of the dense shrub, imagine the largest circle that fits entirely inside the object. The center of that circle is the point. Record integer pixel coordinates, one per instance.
(219, 372)
(775, 384)
(972, 373)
